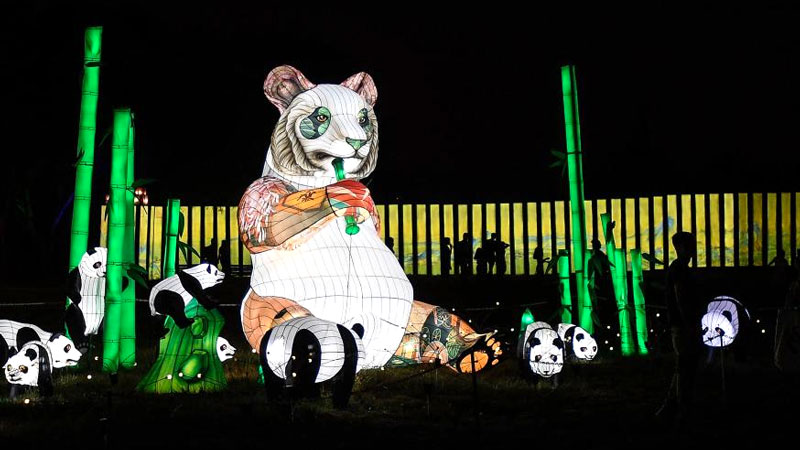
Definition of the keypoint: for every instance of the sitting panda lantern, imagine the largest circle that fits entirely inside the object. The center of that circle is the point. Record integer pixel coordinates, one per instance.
(578, 343)
(543, 350)
(86, 293)
(720, 323)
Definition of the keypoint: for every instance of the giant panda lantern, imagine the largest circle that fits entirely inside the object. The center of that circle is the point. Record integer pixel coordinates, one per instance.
(322, 277)
(543, 350)
(720, 323)
(86, 291)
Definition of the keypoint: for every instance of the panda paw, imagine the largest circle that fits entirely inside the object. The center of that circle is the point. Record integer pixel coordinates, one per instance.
(487, 353)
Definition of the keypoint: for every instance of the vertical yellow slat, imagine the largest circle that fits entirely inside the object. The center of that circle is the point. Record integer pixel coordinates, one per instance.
(505, 230)
(208, 218)
(659, 228)
(532, 237)
(436, 246)
(197, 243)
(772, 225)
(796, 222)
(463, 221)
(713, 230)
(630, 229)
(519, 240)
(758, 224)
(587, 206)
(616, 216)
(185, 232)
(744, 231)
(103, 227)
(144, 229)
(491, 222)
(394, 227)
(560, 234)
(234, 235)
(728, 257)
(421, 244)
(644, 228)
(221, 234)
(786, 223)
(672, 227)
(546, 231)
(156, 249)
(602, 208)
(408, 239)
(381, 210)
(477, 233)
(686, 212)
(449, 225)
(700, 225)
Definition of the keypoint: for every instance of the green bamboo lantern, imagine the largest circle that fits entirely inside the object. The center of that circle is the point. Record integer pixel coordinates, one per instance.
(575, 168)
(116, 240)
(127, 345)
(171, 243)
(566, 295)
(79, 237)
(619, 279)
(638, 301)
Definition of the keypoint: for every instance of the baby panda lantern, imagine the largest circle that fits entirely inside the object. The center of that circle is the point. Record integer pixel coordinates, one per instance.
(720, 323)
(31, 366)
(86, 291)
(578, 343)
(188, 358)
(543, 350)
(309, 260)
(225, 350)
(14, 336)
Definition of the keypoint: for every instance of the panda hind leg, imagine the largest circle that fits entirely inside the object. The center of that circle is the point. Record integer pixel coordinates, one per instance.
(76, 326)
(171, 304)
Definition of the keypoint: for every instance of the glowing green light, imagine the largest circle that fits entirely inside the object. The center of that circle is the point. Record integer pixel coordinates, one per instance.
(566, 296)
(171, 244)
(127, 346)
(638, 301)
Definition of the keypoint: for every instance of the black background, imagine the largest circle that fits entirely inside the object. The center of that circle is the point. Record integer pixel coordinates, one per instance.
(672, 99)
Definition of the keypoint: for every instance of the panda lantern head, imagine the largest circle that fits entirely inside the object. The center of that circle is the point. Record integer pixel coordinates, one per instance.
(93, 262)
(29, 367)
(225, 350)
(206, 274)
(545, 352)
(579, 340)
(63, 351)
(718, 330)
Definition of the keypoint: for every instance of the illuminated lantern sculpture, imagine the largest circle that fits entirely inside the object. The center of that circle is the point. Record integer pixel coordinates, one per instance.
(31, 366)
(720, 323)
(86, 291)
(225, 350)
(543, 350)
(188, 358)
(14, 335)
(577, 341)
(312, 230)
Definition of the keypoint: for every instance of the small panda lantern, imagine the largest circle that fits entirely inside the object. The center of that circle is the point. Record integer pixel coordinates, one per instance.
(720, 323)
(577, 341)
(225, 350)
(86, 290)
(31, 366)
(543, 350)
(14, 335)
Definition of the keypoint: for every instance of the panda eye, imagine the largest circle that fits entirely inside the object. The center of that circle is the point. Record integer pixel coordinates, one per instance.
(8, 367)
(594, 349)
(320, 118)
(705, 330)
(97, 265)
(67, 348)
(554, 358)
(23, 369)
(538, 358)
(583, 349)
(224, 347)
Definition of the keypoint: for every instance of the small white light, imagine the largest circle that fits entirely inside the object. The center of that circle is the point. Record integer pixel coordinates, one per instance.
(512, 330)
(497, 303)
(608, 327)
(470, 321)
(617, 334)
(135, 364)
(382, 368)
(763, 331)
(254, 350)
(309, 360)
(611, 348)
(454, 310)
(758, 320)
(26, 401)
(96, 358)
(424, 335)
(180, 374)
(651, 330)
(658, 314)
(293, 358)
(495, 331)
(294, 374)
(89, 377)
(199, 375)
(606, 342)
(169, 376)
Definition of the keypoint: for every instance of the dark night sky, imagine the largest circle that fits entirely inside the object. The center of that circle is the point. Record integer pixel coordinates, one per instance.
(672, 100)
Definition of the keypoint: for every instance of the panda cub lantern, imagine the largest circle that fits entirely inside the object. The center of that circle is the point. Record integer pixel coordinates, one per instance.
(578, 343)
(720, 323)
(31, 366)
(225, 350)
(171, 296)
(86, 292)
(14, 335)
(543, 350)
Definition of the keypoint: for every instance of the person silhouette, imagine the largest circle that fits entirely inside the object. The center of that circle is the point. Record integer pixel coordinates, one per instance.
(779, 260)
(463, 255)
(490, 252)
(225, 257)
(390, 243)
(482, 257)
(781, 276)
(684, 312)
(446, 252)
(538, 256)
(499, 254)
(598, 273)
(209, 253)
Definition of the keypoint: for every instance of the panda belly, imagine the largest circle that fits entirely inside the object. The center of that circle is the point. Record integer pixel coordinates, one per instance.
(92, 304)
(344, 279)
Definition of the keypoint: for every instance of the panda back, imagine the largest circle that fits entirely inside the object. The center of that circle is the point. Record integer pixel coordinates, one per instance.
(171, 284)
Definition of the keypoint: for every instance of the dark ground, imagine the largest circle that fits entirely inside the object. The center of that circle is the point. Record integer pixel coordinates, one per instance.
(607, 403)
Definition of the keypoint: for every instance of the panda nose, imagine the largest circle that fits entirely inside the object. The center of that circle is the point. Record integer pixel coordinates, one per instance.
(356, 143)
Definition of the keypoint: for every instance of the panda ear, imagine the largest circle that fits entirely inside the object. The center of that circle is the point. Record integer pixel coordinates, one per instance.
(558, 343)
(54, 336)
(91, 251)
(31, 354)
(283, 84)
(364, 86)
(208, 268)
(535, 341)
(728, 315)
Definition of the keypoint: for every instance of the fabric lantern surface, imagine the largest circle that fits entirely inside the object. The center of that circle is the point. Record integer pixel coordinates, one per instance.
(294, 221)
(14, 335)
(720, 323)
(86, 291)
(544, 350)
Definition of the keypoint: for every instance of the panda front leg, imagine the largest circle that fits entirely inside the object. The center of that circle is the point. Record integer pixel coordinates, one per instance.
(297, 350)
